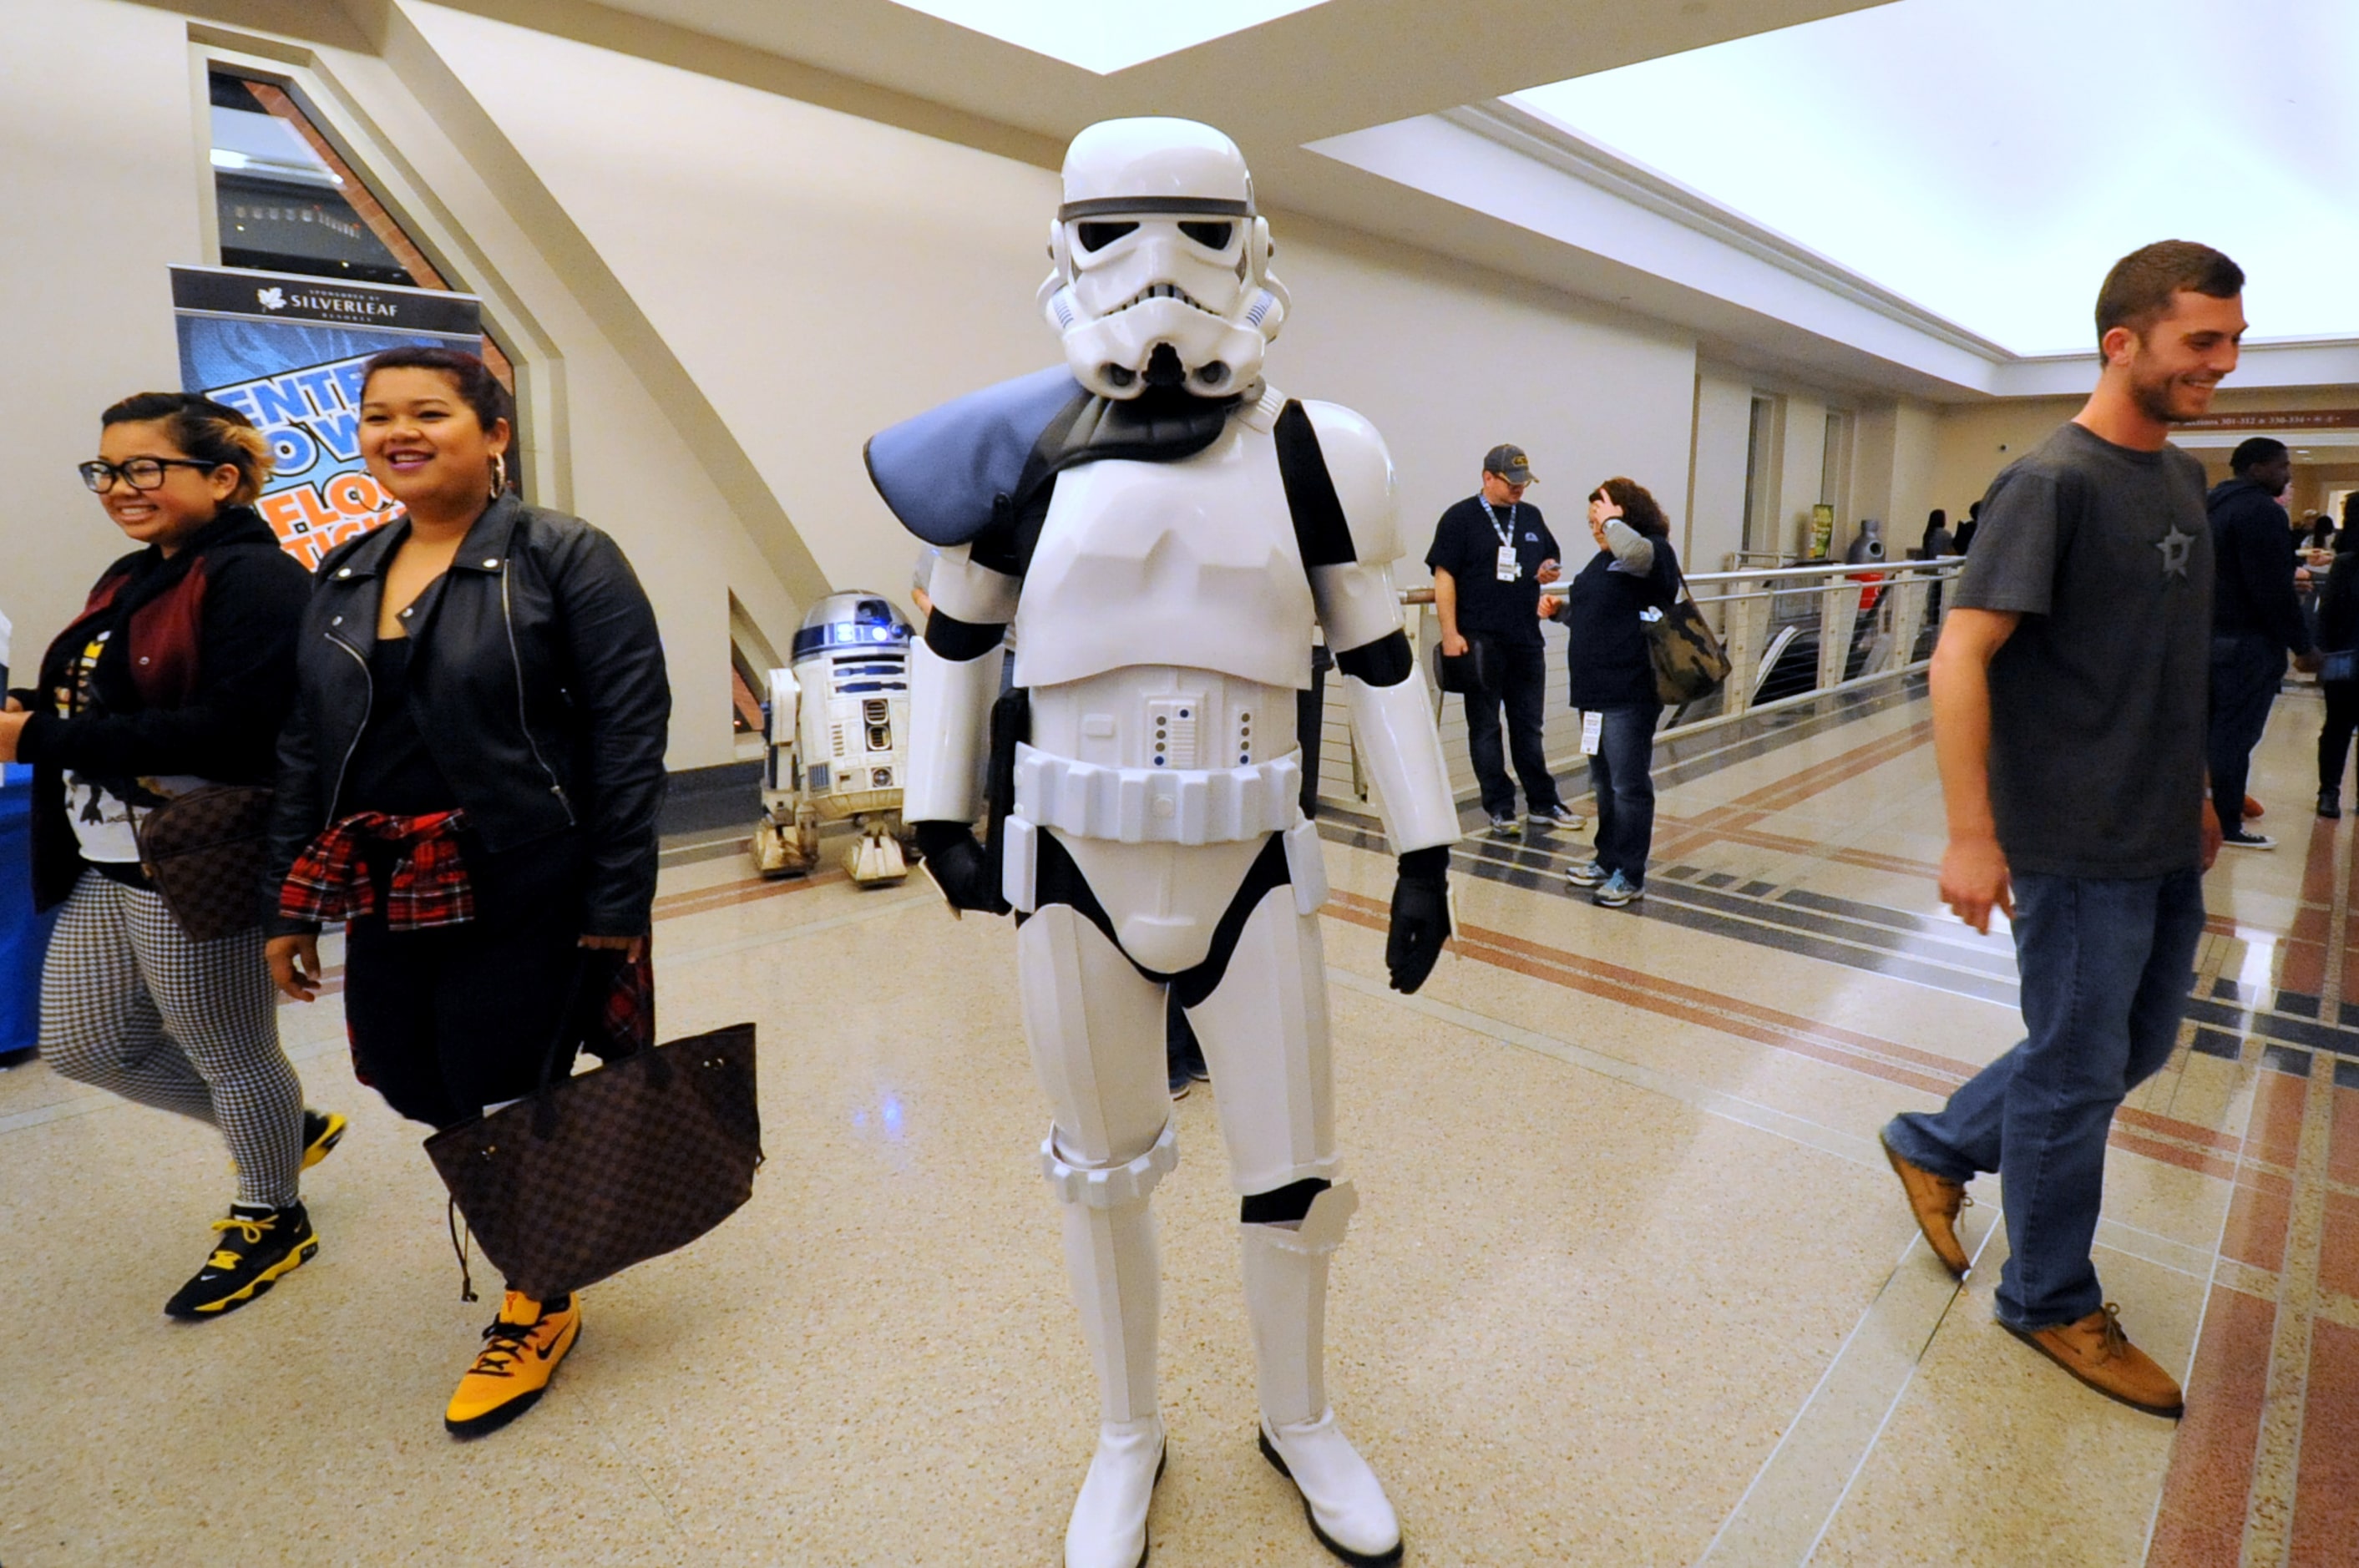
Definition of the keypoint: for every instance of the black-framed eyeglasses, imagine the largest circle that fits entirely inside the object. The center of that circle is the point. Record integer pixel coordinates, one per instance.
(140, 473)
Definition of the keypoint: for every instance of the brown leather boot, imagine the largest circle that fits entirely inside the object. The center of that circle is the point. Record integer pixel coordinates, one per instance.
(2097, 1352)
(1935, 1201)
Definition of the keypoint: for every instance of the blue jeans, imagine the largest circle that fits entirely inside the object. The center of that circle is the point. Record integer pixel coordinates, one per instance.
(1622, 777)
(1523, 691)
(2245, 670)
(2105, 968)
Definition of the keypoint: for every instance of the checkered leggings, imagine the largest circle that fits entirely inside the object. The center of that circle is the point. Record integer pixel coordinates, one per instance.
(130, 1004)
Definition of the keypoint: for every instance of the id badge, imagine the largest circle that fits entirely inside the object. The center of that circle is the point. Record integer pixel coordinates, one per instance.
(1592, 733)
(1509, 567)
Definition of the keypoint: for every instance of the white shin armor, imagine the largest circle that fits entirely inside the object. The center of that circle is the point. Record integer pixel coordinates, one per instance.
(1110, 1249)
(1110, 1252)
(1286, 1295)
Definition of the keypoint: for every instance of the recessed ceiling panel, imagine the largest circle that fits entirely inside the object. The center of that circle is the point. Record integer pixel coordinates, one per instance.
(1991, 158)
(1107, 36)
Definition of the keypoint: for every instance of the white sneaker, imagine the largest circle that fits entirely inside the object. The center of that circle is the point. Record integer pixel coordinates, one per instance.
(1108, 1529)
(1340, 1495)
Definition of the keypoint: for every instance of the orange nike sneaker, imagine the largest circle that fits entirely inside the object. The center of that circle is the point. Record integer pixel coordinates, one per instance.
(521, 1350)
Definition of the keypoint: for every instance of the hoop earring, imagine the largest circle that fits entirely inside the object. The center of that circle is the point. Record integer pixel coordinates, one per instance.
(500, 475)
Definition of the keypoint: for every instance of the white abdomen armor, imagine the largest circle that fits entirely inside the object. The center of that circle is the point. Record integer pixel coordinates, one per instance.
(1190, 564)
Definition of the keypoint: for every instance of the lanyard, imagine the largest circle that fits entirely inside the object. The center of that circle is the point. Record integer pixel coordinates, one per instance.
(1508, 534)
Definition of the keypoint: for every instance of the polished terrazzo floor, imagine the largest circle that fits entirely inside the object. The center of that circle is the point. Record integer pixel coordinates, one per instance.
(1630, 1283)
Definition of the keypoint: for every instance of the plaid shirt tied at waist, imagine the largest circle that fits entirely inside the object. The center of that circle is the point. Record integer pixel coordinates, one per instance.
(430, 886)
(330, 880)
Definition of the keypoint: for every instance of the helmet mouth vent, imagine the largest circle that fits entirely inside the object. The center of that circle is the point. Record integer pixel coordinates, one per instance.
(1163, 368)
(1163, 292)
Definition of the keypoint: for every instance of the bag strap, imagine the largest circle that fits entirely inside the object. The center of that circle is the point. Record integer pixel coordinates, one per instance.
(544, 1107)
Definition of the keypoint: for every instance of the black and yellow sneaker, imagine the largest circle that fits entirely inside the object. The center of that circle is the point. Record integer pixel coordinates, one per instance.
(521, 1350)
(258, 1247)
(322, 1130)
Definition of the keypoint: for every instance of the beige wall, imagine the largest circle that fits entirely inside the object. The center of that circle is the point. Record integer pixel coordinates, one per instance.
(724, 290)
(117, 179)
(1894, 451)
(98, 170)
(1892, 471)
(1975, 442)
(1723, 416)
(822, 275)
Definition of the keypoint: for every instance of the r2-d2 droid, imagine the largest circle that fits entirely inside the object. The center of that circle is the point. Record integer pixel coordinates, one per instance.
(839, 722)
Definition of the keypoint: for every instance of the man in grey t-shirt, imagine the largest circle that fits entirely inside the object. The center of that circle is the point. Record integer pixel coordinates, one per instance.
(2069, 705)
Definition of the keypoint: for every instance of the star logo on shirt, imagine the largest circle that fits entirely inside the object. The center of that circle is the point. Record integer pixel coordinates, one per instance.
(2174, 547)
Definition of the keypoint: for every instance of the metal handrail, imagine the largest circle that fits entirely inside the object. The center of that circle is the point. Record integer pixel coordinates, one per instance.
(1759, 613)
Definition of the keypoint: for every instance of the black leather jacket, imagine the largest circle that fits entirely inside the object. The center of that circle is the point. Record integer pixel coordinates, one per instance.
(539, 689)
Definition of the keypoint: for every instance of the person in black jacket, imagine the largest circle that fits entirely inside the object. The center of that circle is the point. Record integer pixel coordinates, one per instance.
(1634, 574)
(175, 675)
(471, 781)
(2338, 631)
(2256, 620)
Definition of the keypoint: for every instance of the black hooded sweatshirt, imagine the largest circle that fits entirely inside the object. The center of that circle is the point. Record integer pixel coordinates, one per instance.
(2251, 541)
(196, 678)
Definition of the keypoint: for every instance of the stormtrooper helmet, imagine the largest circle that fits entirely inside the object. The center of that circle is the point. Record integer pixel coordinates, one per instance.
(1162, 275)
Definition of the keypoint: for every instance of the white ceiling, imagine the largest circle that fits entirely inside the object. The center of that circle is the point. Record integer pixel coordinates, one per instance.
(1989, 159)
(1107, 36)
(1409, 120)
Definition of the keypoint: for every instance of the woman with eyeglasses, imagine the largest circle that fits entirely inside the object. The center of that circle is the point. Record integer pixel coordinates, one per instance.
(470, 782)
(177, 673)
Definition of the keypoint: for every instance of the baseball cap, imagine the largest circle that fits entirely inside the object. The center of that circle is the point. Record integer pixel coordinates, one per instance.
(1507, 460)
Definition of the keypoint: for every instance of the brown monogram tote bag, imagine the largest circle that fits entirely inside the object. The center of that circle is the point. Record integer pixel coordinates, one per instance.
(609, 1168)
(205, 852)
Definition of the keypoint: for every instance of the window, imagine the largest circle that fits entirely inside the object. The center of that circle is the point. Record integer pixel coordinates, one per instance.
(1762, 442)
(1834, 463)
(751, 659)
(288, 201)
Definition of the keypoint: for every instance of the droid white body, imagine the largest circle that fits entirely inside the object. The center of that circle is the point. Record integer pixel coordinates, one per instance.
(836, 743)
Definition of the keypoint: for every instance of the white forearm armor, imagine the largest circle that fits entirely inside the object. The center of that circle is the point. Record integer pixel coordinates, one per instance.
(950, 702)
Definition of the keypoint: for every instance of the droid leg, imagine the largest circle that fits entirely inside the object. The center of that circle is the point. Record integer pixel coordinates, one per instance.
(1096, 1030)
(1264, 1027)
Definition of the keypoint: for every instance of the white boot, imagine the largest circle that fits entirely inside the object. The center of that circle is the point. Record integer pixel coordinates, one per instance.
(1110, 1251)
(1286, 1296)
(1108, 1529)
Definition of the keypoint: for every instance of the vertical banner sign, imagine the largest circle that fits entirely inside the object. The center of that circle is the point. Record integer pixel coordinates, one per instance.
(287, 351)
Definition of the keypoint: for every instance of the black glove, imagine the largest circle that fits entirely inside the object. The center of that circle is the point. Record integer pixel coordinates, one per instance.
(967, 873)
(1420, 917)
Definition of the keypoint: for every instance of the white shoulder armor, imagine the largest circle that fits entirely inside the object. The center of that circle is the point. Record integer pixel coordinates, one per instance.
(1362, 472)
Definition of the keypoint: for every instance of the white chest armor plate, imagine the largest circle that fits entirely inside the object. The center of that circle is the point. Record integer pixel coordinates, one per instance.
(1190, 564)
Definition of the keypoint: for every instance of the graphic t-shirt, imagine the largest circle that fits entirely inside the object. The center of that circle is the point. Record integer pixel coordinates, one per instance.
(1466, 545)
(2098, 700)
(103, 810)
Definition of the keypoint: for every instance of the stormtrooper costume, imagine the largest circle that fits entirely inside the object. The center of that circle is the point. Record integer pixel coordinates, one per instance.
(1165, 532)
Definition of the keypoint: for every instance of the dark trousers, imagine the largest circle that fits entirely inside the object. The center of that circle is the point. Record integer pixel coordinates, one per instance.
(1622, 775)
(2105, 968)
(447, 1020)
(2245, 670)
(1523, 688)
(2335, 740)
